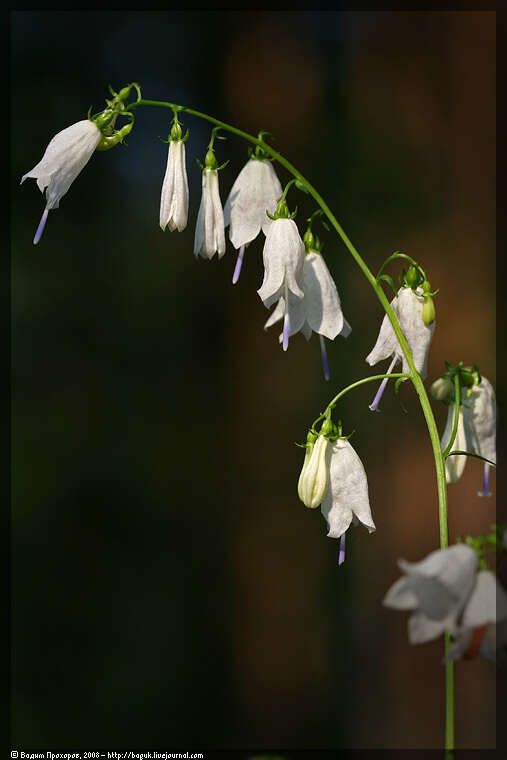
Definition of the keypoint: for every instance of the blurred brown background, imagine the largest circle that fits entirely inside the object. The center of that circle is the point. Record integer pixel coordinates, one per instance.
(168, 586)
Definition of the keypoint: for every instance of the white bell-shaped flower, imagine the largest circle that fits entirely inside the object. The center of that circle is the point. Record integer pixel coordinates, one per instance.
(436, 589)
(174, 196)
(407, 305)
(346, 499)
(67, 153)
(283, 256)
(255, 191)
(319, 311)
(209, 230)
(476, 432)
(483, 624)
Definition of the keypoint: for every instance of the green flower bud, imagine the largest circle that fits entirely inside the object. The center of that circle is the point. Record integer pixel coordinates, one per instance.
(412, 277)
(442, 389)
(176, 131)
(428, 310)
(109, 141)
(313, 479)
(210, 161)
(309, 240)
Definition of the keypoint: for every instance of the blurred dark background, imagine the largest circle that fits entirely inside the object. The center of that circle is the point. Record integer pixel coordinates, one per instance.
(168, 586)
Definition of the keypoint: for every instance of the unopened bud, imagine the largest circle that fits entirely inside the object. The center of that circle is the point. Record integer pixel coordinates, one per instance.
(428, 310)
(442, 389)
(412, 277)
(313, 480)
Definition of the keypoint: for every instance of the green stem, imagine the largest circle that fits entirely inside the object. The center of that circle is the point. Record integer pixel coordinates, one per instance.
(414, 375)
(457, 404)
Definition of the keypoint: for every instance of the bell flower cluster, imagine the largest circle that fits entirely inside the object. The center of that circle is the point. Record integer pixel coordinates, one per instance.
(333, 477)
(476, 431)
(256, 190)
(447, 593)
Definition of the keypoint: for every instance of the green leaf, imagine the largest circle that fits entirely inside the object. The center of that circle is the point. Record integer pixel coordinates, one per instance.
(469, 454)
(389, 280)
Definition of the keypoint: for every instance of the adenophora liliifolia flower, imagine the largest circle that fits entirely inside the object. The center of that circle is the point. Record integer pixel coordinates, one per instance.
(334, 477)
(70, 150)
(283, 256)
(476, 429)
(209, 230)
(174, 196)
(255, 191)
(67, 153)
(408, 306)
(320, 310)
(436, 589)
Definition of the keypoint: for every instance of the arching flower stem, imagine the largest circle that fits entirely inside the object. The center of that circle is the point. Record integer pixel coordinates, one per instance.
(414, 375)
(457, 404)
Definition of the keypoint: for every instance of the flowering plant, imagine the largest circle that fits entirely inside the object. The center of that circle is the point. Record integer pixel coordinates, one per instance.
(450, 592)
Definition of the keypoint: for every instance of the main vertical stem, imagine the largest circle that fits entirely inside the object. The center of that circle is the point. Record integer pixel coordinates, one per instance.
(414, 375)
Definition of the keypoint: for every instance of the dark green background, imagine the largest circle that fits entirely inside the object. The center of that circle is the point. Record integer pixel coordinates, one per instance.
(168, 588)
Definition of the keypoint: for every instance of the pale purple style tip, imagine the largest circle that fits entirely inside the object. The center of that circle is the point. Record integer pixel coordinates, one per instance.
(341, 555)
(285, 337)
(237, 268)
(378, 395)
(40, 228)
(323, 353)
(485, 483)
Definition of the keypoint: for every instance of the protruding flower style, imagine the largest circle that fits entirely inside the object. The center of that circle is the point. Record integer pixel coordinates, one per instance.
(483, 625)
(476, 431)
(174, 197)
(437, 589)
(67, 153)
(319, 311)
(283, 264)
(255, 191)
(209, 230)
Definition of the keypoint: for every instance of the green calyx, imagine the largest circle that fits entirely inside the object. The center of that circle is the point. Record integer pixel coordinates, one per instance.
(105, 120)
(443, 389)
(487, 543)
(282, 211)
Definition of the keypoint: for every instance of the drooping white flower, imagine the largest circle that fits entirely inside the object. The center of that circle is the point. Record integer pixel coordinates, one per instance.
(174, 196)
(334, 477)
(255, 191)
(476, 431)
(319, 311)
(436, 589)
(408, 307)
(346, 499)
(483, 624)
(283, 256)
(67, 153)
(209, 230)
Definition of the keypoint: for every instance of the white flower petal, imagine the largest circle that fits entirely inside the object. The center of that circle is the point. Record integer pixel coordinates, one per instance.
(454, 465)
(407, 306)
(209, 230)
(174, 196)
(422, 629)
(322, 302)
(487, 602)
(479, 415)
(255, 190)
(400, 596)
(65, 156)
(347, 493)
(283, 261)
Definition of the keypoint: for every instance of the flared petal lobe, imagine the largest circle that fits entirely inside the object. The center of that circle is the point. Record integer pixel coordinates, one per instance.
(66, 155)
(209, 230)
(347, 493)
(256, 189)
(174, 196)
